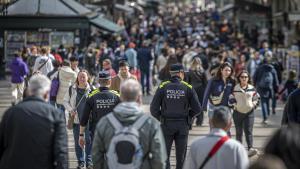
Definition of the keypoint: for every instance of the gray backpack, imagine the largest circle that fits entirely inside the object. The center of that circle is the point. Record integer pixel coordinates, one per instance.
(125, 150)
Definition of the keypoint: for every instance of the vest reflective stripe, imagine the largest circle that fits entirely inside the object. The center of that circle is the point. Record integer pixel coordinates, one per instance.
(187, 84)
(164, 83)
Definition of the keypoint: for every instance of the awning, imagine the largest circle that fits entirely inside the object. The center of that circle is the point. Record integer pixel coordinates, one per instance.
(125, 8)
(105, 24)
(227, 8)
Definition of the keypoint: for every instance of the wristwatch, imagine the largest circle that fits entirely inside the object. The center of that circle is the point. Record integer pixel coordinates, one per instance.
(81, 135)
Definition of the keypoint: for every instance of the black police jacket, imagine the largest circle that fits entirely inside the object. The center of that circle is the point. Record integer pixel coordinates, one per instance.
(100, 102)
(175, 99)
(33, 136)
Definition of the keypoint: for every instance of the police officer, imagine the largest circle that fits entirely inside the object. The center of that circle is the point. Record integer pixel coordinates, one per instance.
(174, 104)
(100, 102)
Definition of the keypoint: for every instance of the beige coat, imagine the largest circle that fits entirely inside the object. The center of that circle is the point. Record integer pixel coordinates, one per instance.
(67, 78)
(246, 100)
(116, 82)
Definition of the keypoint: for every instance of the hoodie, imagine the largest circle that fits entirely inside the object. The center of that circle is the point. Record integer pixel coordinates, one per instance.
(151, 137)
(18, 69)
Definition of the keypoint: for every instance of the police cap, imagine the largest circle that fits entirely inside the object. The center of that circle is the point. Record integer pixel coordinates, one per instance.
(104, 75)
(175, 68)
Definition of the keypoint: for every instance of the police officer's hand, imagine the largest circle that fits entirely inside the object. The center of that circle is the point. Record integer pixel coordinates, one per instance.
(81, 141)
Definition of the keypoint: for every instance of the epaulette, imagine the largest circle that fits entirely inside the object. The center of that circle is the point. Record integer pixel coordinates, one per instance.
(94, 92)
(164, 83)
(115, 92)
(187, 84)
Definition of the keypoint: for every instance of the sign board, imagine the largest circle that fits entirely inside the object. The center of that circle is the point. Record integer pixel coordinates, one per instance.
(294, 17)
(293, 60)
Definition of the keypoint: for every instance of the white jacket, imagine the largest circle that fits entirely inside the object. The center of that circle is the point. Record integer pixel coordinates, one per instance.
(46, 68)
(246, 100)
(67, 78)
(70, 100)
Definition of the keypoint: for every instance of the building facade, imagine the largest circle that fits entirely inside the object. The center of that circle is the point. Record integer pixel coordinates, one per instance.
(286, 20)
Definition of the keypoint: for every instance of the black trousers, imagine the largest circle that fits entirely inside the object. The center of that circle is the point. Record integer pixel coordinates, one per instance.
(244, 121)
(177, 131)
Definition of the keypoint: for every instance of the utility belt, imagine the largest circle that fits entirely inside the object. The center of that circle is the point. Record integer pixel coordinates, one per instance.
(187, 119)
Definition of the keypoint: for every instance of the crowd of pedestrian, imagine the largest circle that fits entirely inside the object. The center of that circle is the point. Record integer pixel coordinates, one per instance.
(199, 63)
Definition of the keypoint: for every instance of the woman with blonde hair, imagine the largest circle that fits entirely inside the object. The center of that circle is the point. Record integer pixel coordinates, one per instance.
(197, 78)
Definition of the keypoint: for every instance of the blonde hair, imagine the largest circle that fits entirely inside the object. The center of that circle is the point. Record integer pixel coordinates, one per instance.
(196, 64)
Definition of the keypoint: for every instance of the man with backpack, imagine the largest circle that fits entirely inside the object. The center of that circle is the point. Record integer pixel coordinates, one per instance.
(266, 82)
(127, 138)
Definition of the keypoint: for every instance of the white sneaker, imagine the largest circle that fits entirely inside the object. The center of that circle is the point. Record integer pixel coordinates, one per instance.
(252, 152)
(265, 122)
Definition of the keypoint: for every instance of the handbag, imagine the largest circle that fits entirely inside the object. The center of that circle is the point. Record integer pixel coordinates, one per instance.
(72, 117)
(214, 150)
(216, 100)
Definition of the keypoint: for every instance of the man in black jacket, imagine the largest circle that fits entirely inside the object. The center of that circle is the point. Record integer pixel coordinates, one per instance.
(291, 113)
(33, 133)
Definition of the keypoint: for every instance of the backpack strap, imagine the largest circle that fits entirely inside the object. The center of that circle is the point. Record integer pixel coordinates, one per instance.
(114, 121)
(140, 122)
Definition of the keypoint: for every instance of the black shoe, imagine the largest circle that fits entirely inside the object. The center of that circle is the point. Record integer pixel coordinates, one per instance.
(273, 112)
(198, 124)
(80, 166)
(89, 166)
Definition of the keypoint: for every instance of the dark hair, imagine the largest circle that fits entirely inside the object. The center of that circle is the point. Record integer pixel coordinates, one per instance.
(44, 50)
(285, 144)
(73, 58)
(66, 63)
(55, 63)
(83, 71)
(222, 66)
(123, 63)
(240, 74)
(292, 75)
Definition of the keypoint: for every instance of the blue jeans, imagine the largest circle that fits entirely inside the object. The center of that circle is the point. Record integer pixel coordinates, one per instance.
(83, 156)
(265, 107)
(53, 103)
(147, 76)
(61, 108)
(274, 102)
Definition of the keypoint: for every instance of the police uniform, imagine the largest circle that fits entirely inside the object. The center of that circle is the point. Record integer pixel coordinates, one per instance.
(99, 103)
(174, 104)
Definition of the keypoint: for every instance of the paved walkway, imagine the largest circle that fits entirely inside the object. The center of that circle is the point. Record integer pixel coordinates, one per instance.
(261, 132)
